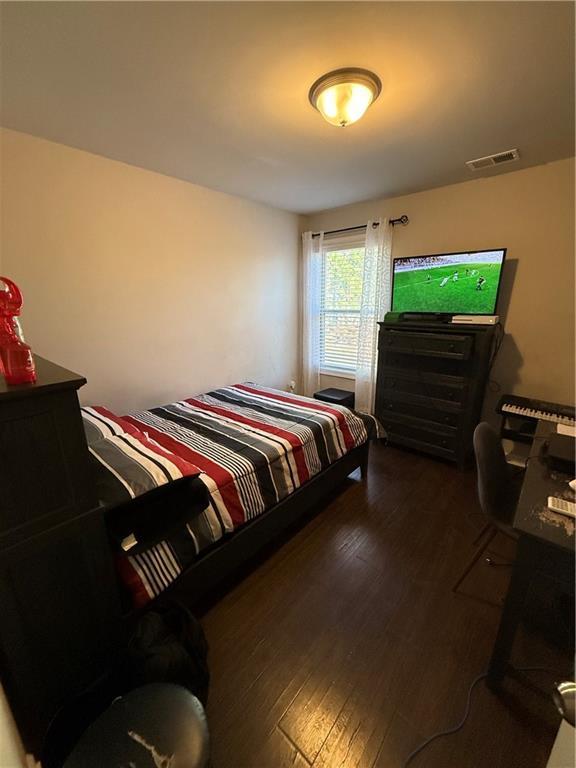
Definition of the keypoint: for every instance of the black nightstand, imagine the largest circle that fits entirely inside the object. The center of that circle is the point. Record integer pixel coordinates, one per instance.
(336, 396)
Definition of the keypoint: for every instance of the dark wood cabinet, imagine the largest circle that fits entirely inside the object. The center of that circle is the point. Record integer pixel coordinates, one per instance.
(44, 467)
(59, 612)
(430, 386)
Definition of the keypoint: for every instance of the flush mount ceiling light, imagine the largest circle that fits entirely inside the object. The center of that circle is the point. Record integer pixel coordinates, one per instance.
(342, 96)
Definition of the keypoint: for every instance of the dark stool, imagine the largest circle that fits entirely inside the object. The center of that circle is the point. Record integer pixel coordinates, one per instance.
(156, 726)
(336, 396)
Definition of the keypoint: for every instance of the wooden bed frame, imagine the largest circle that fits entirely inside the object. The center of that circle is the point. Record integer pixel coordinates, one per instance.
(217, 563)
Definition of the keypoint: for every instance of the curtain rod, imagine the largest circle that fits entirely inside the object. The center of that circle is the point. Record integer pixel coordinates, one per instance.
(393, 222)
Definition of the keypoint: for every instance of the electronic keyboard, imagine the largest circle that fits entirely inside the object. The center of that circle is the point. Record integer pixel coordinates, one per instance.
(537, 409)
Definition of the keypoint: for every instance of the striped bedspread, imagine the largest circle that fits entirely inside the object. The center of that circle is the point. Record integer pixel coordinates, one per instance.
(252, 447)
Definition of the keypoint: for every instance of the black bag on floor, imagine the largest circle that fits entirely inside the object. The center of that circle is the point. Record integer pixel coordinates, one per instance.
(168, 646)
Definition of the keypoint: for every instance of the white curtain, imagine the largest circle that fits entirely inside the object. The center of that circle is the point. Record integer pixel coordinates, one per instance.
(311, 304)
(375, 303)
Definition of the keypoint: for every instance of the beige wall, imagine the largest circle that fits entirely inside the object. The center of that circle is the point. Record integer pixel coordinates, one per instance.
(152, 288)
(11, 750)
(531, 212)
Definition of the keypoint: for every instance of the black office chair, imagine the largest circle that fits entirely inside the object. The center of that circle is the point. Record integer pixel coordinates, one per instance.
(499, 487)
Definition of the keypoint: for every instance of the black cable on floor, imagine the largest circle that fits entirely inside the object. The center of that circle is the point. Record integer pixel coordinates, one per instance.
(462, 722)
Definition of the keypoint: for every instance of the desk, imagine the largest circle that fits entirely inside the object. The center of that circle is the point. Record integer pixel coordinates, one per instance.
(545, 545)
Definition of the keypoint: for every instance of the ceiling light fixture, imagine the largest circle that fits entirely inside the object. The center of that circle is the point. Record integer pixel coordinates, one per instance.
(344, 95)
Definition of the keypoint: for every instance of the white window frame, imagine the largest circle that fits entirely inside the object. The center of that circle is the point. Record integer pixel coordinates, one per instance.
(341, 243)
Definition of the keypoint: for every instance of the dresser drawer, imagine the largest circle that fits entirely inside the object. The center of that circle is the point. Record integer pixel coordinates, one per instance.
(424, 386)
(449, 416)
(451, 346)
(403, 421)
(420, 431)
(395, 438)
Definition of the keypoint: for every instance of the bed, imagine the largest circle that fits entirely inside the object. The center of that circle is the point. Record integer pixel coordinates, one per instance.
(194, 488)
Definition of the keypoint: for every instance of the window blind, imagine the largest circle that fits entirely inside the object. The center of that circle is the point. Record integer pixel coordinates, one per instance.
(342, 271)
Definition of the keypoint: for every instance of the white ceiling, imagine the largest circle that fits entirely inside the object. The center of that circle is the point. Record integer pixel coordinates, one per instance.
(217, 93)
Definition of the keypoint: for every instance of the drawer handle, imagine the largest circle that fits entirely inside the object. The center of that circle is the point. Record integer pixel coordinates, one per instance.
(451, 346)
(392, 384)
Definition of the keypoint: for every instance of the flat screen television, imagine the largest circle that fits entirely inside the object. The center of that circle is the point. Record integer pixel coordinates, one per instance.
(448, 283)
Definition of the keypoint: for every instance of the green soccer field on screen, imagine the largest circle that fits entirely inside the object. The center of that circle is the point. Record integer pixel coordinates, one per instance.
(454, 288)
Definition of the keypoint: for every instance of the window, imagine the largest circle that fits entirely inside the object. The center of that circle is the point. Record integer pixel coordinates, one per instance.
(341, 285)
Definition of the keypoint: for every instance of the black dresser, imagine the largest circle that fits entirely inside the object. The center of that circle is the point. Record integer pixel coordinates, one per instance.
(59, 609)
(430, 386)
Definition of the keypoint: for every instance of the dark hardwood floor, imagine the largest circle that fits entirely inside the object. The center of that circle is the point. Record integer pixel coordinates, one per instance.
(345, 646)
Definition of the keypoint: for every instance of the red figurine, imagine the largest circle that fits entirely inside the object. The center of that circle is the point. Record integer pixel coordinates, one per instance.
(16, 361)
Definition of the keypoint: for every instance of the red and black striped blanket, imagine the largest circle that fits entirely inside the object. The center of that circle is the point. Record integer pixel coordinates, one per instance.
(249, 445)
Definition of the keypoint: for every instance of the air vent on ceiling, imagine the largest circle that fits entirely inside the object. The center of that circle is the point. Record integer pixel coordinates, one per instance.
(491, 160)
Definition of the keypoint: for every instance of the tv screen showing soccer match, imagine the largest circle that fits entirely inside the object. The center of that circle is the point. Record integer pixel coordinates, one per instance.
(449, 283)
